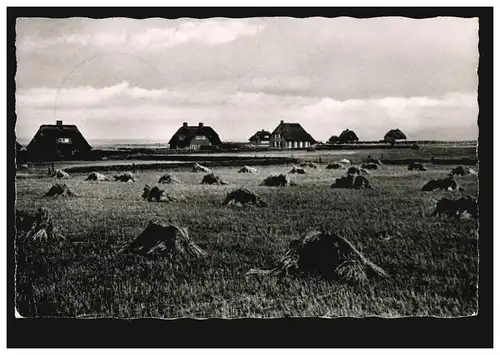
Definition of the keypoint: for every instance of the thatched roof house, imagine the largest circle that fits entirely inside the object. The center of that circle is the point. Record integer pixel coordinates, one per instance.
(261, 137)
(194, 137)
(289, 136)
(20, 153)
(394, 135)
(59, 140)
(347, 136)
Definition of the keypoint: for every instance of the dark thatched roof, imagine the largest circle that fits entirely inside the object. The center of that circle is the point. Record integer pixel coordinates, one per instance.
(347, 136)
(394, 134)
(261, 135)
(189, 132)
(45, 142)
(293, 132)
(333, 139)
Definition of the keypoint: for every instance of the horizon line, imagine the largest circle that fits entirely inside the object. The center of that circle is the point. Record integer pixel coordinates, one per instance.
(154, 141)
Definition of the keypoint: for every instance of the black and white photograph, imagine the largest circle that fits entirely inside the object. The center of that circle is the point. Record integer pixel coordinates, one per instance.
(262, 167)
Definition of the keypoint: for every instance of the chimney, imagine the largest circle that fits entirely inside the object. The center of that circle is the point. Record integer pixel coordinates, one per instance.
(282, 122)
(200, 124)
(185, 124)
(59, 123)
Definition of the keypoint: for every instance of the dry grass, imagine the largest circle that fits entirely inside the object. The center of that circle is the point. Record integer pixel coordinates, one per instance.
(432, 261)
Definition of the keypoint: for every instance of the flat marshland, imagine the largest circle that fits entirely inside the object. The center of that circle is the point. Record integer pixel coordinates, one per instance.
(432, 261)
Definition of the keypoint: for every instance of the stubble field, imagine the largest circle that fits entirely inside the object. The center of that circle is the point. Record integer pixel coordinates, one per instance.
(432, 261)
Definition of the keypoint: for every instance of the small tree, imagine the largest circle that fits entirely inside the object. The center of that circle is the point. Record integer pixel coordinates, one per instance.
(347, 136)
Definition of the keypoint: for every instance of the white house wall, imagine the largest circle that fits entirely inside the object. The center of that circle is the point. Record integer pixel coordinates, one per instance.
(289, 144)
(199, 141)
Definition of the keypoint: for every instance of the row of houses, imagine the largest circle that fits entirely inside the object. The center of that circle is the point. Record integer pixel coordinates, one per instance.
(285, 136)
(67, 141)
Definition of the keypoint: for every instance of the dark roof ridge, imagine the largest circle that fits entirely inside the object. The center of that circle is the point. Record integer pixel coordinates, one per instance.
(293, 132)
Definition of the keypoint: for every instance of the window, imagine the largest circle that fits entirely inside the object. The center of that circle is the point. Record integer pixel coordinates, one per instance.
(63, 140)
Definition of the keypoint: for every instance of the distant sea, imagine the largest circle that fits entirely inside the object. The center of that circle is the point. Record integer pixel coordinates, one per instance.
(144, 143)
(96, 143)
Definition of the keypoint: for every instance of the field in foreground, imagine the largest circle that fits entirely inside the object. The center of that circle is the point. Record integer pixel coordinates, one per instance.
(432, 262)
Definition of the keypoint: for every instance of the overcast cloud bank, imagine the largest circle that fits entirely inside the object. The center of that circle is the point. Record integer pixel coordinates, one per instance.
(113, 77)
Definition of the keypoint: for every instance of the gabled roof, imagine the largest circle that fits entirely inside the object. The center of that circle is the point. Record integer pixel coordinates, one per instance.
(347, 136)
(260, 135)
(192, 131)
(395, 134)
(293, 132)
(53, 127)
(48, 132)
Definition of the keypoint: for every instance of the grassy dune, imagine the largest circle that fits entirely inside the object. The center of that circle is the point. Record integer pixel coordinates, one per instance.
(432, 262)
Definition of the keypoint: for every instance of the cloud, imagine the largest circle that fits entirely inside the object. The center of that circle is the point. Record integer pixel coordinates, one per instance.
(212, 32)
(123, 94)
(279, 85)
(240, 75)
(29, 43)
(449, 117)
(342, 58)
(74, 97)
(209, 32)
(450, 100)
(119, 95)
(238, 114)
(290, 83)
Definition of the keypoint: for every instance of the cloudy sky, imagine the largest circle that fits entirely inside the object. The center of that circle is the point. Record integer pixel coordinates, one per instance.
(140, 79)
